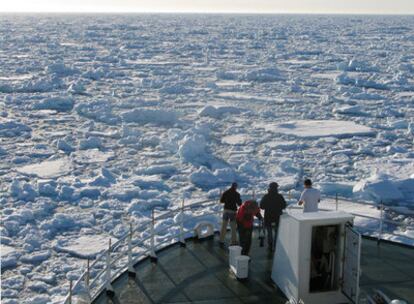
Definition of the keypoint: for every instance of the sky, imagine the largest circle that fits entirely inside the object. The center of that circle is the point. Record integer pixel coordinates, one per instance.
(213, 6)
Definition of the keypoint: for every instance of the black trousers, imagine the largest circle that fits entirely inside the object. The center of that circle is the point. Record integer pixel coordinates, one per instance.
(245, 238)
(271, 229)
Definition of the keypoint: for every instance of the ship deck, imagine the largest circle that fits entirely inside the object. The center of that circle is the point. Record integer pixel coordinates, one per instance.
(199, 273)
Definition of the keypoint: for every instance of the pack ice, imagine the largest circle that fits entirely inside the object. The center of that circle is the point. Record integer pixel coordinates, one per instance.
(104, 118)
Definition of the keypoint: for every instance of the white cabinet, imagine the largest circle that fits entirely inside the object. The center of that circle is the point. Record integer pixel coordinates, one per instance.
(317, 257)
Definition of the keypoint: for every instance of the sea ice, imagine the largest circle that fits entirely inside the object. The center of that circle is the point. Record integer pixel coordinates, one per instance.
(264, 75)
(249, 99)
(349, 110)
(378, 188)
(157, 169)
(192, 148)
(204, 178)
(236, 139)
(105, 179)
(63, 222)
(355, 65)
(84, 247)
(318, 128)
(92, 156)
(65, 146)
(10, 128)
(91, 142)
(21, 190)
(99, 110)
(9, 257)
(124, 191)
(48, 168)
(15, 282)
(36, 257)
(60, 104)
(60, 69)
(219, 111)
(152, 116)
(6, 250)
(176, 89)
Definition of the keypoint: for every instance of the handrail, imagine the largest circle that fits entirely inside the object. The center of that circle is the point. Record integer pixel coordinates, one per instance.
(141, 243)
(381, 220)
(138, 228)
(122, 247)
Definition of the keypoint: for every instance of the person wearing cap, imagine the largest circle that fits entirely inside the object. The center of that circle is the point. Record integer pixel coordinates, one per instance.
(245, 216)
(231, 200)
(273, 204)
(310, 197)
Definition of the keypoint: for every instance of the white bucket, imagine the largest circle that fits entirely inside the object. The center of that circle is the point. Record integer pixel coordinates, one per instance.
(234, 252)
(242, 266)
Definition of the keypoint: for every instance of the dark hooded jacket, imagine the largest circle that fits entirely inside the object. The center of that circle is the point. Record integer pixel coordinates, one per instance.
(273, 204)
(231, 199)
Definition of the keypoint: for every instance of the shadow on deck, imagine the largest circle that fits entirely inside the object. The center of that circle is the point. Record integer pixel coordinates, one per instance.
(200, 273)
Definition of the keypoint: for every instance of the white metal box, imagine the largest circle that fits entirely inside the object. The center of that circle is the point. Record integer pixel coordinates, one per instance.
(317, 257)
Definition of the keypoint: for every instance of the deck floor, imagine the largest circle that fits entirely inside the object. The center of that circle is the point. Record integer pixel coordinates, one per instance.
(199, 273)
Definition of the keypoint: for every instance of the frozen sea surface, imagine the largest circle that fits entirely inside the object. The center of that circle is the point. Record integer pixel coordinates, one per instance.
(103, 118)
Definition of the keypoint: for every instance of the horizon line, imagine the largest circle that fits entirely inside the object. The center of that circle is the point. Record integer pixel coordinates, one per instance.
(209, 13)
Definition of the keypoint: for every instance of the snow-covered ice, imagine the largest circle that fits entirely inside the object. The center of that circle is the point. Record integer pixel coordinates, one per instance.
(86, 246)
(318, 128)
(6, 250)
(48, 168)
(104, 118)
(236, 139)
(92, 155)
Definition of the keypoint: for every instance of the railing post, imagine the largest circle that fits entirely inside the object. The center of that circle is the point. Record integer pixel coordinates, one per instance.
(108, 278)
(381, 223)
(336, 202)
(131, 270)
(87, 282)
(70, 292)
(182, 238)
(290, 194)
(153, 256)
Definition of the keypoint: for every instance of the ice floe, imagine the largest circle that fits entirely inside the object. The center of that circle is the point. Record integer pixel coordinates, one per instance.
(318, 128)
(61, 104)
(236, 139)
(219, 112)
(85, 247)
(48, 168)
(92, 156)
(145, 116)
(10, 128)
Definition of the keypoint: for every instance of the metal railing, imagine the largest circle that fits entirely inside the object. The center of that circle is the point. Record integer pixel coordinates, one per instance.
(146, 239)
(139, 243)
(378, 230)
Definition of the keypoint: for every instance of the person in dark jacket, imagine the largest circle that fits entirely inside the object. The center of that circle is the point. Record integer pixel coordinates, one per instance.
(273, 204)
(245, 216)
(231, 200)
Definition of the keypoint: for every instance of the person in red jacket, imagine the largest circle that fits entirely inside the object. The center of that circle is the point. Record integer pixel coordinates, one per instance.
(245, 216)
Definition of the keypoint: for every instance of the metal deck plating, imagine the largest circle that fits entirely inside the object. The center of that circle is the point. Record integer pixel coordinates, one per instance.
(199, 273)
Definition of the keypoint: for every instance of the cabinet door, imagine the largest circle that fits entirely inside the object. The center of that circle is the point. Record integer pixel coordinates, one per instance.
(351, 270)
